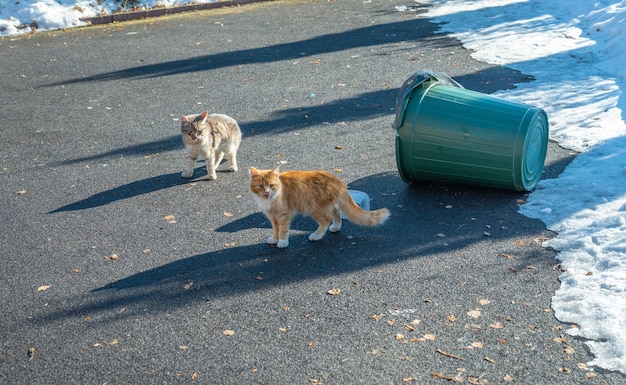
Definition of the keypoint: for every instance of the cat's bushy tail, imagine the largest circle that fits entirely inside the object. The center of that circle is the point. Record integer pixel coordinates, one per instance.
(359, 216)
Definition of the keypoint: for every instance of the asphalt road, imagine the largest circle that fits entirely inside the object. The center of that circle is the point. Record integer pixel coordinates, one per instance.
(115, 270)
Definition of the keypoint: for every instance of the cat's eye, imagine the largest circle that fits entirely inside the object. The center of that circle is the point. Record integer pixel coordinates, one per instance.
(272, 186)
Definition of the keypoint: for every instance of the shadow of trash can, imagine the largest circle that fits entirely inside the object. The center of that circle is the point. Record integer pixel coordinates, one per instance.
(447, 133)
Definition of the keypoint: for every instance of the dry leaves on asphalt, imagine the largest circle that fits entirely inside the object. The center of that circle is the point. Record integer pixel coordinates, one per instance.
(169, 218)
(334, 291)
(474, 313)
(496, 325)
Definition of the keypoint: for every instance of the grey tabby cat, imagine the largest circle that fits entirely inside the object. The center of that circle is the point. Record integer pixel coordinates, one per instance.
(210, 137)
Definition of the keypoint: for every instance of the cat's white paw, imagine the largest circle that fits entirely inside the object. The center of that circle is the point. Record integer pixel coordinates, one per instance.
(282, 243)
(335, 227)
(212, 176)
(187, 174)
(233, 168)
(315, 237)
(272, 241)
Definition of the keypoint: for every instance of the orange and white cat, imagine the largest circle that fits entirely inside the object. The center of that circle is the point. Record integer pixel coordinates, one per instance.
(318, 194)
(210, 137)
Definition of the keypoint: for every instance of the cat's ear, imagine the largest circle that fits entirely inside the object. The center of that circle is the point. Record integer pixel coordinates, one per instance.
(276, 171)
(254, 172)
(184, 119)
(204, 115)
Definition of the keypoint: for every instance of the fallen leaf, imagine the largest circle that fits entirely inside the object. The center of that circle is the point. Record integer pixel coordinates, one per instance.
(43, 288)
(409, 379)
(169, 218)
(183, 347)
(31, 353)
(508, 378)
(569, 350)
(228, 333)
(451, 318)
(21, 192)
(564, 370)
(474, 313)
(449, 355)
(508, 256)
(489, 360)
(194, 375)
(282, 329)
(408, 327)
(339, 147)
(478, 345)
(114, 342)
(96, 345)
(399, 337)
(227, 214)
(496, 325)
(188, 285)
(477, 381)
(442, 376)
(484, 302)
(334, 291)
(429, 337)
(113, 257)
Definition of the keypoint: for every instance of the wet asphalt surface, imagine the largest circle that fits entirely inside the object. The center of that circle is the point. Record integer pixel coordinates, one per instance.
(115, 270)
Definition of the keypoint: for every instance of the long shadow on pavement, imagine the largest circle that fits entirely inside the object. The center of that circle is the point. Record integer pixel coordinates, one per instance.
(361, 37)
(129, 190)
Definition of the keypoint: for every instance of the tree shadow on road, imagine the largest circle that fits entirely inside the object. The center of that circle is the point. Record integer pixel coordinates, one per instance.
(374, 35)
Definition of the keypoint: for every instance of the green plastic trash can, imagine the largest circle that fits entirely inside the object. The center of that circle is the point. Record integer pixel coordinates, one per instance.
(448, 133)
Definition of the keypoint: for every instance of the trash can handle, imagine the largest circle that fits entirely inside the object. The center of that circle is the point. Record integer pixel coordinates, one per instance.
(415, 81)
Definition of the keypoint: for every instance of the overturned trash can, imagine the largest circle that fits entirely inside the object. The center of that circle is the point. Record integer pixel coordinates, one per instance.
(450, 134)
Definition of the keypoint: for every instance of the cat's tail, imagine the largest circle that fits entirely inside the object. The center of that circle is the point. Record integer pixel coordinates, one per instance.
(360, 216)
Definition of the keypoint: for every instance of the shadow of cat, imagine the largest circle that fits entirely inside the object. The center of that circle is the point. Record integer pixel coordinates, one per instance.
(140, 187)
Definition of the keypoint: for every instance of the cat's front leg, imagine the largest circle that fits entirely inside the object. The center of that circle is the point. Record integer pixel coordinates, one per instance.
(280, 243)
(190, 166)
(273, 240)
(210, 166)
(280, 238)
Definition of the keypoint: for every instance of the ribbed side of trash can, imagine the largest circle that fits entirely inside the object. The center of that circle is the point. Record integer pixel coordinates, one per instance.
(448, 133)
